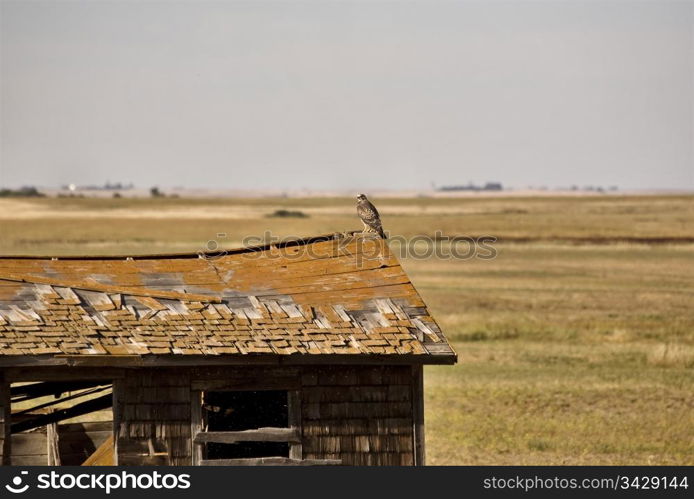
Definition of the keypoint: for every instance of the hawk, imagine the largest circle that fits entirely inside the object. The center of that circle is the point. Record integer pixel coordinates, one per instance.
(369, 216)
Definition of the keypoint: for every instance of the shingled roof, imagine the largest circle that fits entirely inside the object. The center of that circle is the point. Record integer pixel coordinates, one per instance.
(332, 295)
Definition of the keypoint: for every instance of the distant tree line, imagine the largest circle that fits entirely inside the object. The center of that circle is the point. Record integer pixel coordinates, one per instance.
(22, 192)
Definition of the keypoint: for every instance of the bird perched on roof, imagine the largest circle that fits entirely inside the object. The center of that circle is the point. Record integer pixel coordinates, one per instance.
(369, 216)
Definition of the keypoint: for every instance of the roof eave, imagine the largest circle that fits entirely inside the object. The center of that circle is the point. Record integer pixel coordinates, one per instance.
(231, 360)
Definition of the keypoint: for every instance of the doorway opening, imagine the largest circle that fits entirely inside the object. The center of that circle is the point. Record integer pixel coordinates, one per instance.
(61, 423)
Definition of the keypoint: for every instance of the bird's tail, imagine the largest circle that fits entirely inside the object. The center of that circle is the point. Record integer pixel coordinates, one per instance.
(381, 233)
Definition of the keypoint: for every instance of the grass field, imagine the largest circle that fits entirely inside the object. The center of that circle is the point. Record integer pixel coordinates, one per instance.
(576, 343)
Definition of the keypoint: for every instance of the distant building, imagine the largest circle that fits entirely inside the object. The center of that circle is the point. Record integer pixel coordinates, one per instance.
(489, 186)
(108, 186)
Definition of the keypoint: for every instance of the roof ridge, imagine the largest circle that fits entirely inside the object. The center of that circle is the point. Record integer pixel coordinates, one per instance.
(112, 289)
(200, 254)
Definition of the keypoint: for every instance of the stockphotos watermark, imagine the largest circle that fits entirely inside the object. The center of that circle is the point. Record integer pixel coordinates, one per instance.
(105, 482)
(420, 247)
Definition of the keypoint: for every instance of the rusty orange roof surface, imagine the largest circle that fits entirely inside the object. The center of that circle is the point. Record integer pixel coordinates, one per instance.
(337, 295)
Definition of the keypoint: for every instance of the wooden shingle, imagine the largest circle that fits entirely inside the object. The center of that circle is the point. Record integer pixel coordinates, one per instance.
(318, 296)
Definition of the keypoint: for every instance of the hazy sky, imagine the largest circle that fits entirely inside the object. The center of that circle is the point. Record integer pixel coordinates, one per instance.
(359, 94)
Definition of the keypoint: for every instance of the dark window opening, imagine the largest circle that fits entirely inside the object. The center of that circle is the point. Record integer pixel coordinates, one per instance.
(245, 410)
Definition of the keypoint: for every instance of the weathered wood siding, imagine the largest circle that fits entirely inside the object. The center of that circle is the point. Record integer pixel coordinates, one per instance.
(361, 415)
(153, 417)
(4, 420)
(76, 442)
(30, 448)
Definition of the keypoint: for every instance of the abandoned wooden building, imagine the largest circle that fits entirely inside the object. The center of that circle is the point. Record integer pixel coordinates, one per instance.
(300, 353)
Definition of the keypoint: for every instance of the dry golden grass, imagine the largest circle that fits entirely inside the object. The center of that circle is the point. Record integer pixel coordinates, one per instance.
(567, 356)
(101, 226)
(569, 353)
